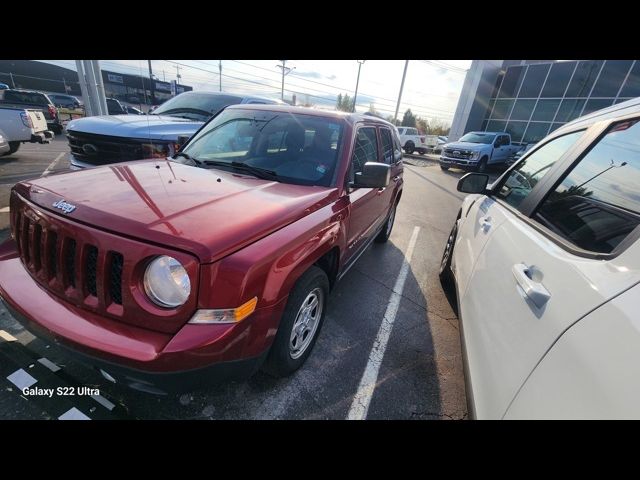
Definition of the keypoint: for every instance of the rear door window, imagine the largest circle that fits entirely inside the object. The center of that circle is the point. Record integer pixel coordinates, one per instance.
(597, 204)
(387, 145)
(519, 183)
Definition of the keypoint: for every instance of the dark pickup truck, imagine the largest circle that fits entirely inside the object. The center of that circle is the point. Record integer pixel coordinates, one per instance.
(30, 100)
(167, 273)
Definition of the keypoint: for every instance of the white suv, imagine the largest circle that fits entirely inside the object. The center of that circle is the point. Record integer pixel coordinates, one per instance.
(411, 140)
(546, 266)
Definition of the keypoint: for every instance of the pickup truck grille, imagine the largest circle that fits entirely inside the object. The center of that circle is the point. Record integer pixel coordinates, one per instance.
(103, 149)
(65, 266)
(453, 153)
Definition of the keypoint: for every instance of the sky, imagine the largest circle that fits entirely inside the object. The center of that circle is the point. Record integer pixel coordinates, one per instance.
(431, 89)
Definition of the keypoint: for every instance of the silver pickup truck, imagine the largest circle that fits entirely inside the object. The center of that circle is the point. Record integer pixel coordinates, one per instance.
(19, 125)
(478, 150)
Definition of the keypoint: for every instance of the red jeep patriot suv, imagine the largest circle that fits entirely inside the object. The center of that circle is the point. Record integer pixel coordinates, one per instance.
(164, 273)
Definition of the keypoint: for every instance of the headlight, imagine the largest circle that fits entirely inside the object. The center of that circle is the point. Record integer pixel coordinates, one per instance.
(474, 155)
(166, 282)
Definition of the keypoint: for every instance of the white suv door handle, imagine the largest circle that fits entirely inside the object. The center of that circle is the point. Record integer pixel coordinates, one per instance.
(534, 290)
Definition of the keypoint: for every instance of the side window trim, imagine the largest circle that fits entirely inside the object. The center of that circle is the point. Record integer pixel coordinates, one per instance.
(525, 212)
(356, 129)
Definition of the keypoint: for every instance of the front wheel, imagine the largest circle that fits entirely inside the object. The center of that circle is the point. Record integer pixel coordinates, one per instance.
(13, 148)
(445, 272)
(300, 324)
(482, 166)
(409, 147)
(444, 167)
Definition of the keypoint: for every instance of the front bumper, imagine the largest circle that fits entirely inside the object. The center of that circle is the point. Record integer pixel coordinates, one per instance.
(41, 137)
(139, 358)
(458, 162)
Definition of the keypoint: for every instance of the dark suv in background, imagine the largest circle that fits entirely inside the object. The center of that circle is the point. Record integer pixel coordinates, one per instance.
(31, 99)
(65, 101)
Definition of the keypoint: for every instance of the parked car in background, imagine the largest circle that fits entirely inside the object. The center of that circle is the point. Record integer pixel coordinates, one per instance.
(518, 155)
(412, 141)
(23, 126)
(5, 148)
(107, 139)
(213, 263)
(30, 99)
(477, 151)
(546, 265)
(4, 86)
(132, 110)
(114, 107)
(66, 101)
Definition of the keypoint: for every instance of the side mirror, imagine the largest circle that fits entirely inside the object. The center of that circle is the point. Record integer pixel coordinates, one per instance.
(373, 175)
(473, 183)
(182, 139)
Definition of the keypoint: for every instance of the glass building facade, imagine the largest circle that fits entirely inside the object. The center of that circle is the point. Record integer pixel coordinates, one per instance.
(530, 101)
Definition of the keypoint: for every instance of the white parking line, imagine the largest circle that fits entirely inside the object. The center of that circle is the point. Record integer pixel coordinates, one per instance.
(7, 336)
(21, 379)
(49, 364)
(73, 414)
(53, 164)
(362, 398)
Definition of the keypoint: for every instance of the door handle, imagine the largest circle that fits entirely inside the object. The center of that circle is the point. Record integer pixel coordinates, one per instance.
(485, 223)
(535, 291)
(396, 178)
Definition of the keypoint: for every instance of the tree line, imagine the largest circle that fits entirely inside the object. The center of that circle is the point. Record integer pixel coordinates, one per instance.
(426, 127)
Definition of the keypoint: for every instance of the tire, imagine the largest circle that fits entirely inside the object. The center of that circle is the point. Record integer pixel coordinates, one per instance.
(13, 148)
(445, 273)
(422, 152)
(481, 167)
(444, 167)
(409, 147)
(385, 233)
(283, 358)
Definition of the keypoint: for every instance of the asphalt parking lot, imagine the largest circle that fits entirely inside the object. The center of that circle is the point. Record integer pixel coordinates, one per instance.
(420, 375)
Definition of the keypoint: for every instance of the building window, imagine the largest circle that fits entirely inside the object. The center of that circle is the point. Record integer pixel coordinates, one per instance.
(631, 87)
(611, 78)
(496, 126)
(501, 109)
(545, 110)
(534, 80)
(522, 109)
(584, 78)
(536, 132)
(596, 104)
(570, 108)
(558, 79)
(511, 82)
(516, 130)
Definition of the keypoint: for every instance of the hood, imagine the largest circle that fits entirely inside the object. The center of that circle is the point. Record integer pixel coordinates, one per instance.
(465, 146)
(157, 127)
(180, 206)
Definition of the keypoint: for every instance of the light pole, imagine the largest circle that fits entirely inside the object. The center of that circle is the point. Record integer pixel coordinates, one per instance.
(613, 165)
(285, 71)
(355, 96)
(220, 73)
(404, 74)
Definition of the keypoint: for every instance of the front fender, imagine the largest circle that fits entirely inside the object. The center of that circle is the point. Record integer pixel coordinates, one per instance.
(268, 268)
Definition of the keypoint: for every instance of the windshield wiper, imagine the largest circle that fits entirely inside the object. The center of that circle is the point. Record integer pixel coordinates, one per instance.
(196, 111)
(256, 171)
(188, 157)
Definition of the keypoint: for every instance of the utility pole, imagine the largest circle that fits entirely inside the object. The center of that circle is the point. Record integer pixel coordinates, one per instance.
(164, 76)
(220, 73)
(13, 84)
(404, 74)
(153, 85)
(355, 96)
(285, 71)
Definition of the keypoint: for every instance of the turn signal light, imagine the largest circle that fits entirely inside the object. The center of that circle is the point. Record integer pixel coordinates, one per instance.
(226, 315)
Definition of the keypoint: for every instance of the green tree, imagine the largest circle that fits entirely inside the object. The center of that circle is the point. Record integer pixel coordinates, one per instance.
(409, 119)
(344, 103)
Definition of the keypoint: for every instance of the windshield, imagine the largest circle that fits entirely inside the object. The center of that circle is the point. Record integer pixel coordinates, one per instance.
(293, 148)
(478, 137)
(196, 106)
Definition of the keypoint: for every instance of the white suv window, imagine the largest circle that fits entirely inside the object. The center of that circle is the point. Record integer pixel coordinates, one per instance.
(597, 203)
(517, 185)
